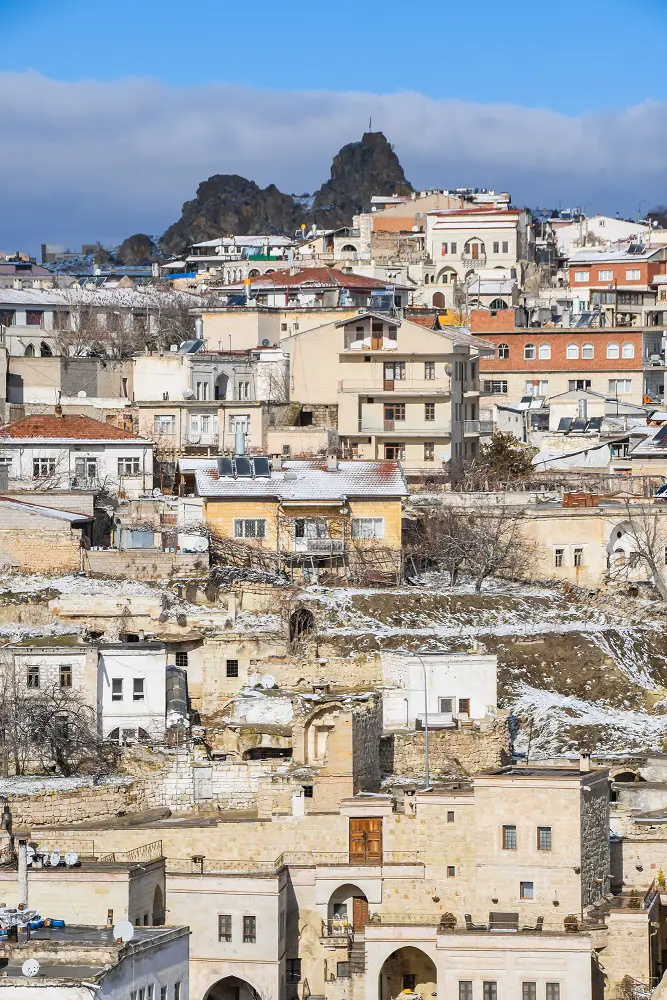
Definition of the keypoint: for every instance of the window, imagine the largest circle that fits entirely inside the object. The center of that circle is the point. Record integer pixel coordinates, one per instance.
(446, 705)
(453, 247)
(138, 689)
(149, 992)
(579, 383)
(128, 467)
(249, 930)
(578, 559)
(537, 387)
(243, 390)
(142, 993)
(572, 352)
(465, 989)
(429, 451)
(587, 352)
(633, 274)
(544, 838)
(443, 250)
(367, 527)
(394, 411)
(239, 423)
(613, 351)
(232, 668)
(605, 275)
(293, 970)
(395, 451)
(205, 424)
(201, 390)
(620, 386)
(450, 816)
(464, 706)
(503, 352)
(116, 688)
(429, 370)
(553, 991)
(631, 298)
(496, 247)
(506, 246)
(544, 352)
(451, 871)
(559, 555)
(490, 990)
(529, 352)
(394, 371)
(181, 658)
(65, 675)
(307, 791)
(43, 467)
(163, 993)
(225, 927)
(581, 275)
(429, 411)
(164, 423)
(528, 991)
(509, 838)
(497, 387)
(177, 991)
(34, 317)
(32, 678)
(526, 890)
(249, 527)
(409, 981)
(7, 317)
(628, 350)
(342, 970)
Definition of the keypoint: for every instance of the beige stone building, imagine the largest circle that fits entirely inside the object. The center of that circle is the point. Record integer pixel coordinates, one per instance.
(402, 391)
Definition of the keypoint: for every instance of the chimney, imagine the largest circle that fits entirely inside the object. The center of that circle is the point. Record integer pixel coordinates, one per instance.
(584, 762)
(58, 410)
(332, 463)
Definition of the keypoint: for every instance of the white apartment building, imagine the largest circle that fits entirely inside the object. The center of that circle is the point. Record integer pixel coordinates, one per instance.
(451, 687)
(132, 684)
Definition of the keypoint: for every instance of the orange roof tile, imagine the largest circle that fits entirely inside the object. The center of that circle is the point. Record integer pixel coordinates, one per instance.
(70, 427)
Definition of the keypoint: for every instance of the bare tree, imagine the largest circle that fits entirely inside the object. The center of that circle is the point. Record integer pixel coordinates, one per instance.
(642, 546)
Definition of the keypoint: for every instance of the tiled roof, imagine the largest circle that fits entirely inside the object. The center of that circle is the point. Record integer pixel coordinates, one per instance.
(327, 277)
(313, 481)
(65, 427)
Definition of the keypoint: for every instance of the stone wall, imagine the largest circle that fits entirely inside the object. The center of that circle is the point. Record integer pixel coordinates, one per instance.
(366, 740)
(594, 827)
(52, 808)
(146, 564)
(450, 752)
(38, 551)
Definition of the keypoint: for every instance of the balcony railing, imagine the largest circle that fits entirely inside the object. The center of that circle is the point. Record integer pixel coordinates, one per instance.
(480, 261)
(319, 545)
(399, 429)
(373, 344)
(428, 386)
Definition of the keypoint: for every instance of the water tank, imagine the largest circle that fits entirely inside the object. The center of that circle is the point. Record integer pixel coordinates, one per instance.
(177, 690)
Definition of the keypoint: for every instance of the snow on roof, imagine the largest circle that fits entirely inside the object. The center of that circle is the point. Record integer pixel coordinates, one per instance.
(33, 508)
(64, 428)
(305, 481)
(67, 298)
(652, 445)
(613, 254)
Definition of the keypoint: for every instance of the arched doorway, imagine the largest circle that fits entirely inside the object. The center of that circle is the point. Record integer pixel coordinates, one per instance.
(301, 625)
(29, 351)
(439, 300)
(347, 909)
(232, 988)
(221, 383)
(158, 907)
(44, 350)
(408, 969)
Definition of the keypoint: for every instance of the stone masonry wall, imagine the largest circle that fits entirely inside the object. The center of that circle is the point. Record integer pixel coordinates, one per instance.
(41, 551)
(594, 826)
(450, 752)
(366, 740)
(144, 565)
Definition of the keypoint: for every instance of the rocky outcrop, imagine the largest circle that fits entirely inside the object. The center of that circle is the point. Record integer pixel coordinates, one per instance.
(137, 249)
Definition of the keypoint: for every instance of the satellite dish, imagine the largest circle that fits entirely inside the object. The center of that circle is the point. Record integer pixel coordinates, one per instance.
(82, 394)
(71, 859)
(254, 680)
(268, 682)
(55, 859)
(30, 854)
(266, 342)
(123, 931)
(188, 394)
(30, 968)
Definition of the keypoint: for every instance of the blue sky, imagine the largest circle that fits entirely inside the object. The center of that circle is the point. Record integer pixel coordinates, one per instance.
(113, 113)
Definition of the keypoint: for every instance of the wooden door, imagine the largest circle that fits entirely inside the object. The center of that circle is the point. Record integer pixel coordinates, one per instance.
(359, 913)
(475, 251)
(366, 839)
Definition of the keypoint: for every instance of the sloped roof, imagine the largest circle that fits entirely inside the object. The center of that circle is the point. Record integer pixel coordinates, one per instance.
(34, 508)
(317, 277)
(313, 481)
(63, 428)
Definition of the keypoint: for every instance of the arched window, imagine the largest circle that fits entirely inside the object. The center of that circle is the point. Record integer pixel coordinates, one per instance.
(30, 351)
(439, 300)
(44, 350)
(348, 248)
(498, 304)
(544, 352)
(572, 352)
(628, 350)
(587, 352)
(254, 273)
(613, 351)
(529, 352)
(503, 352)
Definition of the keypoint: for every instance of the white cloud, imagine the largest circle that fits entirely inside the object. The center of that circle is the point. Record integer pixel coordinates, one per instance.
(90, 160)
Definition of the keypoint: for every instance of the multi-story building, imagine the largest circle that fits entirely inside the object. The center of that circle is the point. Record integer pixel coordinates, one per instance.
(620, 283)
(402, 392)
(132, 691)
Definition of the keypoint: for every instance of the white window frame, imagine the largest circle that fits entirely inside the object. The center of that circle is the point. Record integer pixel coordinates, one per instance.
(129, 466)
(633, 274)
(605, 275)
(620, 386)
(529, 352)
(164, 423)
(628, 350)
(587, 351)
(581, 276)
(367, 527)
(613, 351)
(544, 352)
(572, 352)
(241, 527)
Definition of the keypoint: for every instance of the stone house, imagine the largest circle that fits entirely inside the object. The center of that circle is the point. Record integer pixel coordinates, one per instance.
(39, 538)
(132, 686)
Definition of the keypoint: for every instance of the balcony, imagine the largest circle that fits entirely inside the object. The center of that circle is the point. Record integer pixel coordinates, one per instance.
(373, 344)
(319, 546)
(472, 427)
(469, 261)
(400, 386)
(397, 428)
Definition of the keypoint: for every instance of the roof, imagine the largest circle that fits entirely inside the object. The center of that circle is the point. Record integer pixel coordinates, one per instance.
(653, 445)
(475, 211)
(614, 254)
(56, 513)
(318, 277)
(21, 268)
(119, 298)
(390, 320)
(313, 481)
(63, 428)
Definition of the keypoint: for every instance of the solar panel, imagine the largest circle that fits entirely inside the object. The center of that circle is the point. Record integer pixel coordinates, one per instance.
(243, 466)
(661, 435)
(262, 468)
(594, 424)
(579, 424)
(564, 424)
(526, 399)
(225, 467)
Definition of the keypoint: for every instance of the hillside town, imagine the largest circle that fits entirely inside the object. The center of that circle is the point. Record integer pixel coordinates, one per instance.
(333, 591)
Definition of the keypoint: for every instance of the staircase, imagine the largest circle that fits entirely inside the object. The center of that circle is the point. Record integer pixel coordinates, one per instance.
(358, 956)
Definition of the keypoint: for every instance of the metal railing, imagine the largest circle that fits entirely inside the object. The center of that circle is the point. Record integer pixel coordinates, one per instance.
(339, 928)
(432, 386)
(430, 430)
(147, 852)
(199, 865)
(214, 866)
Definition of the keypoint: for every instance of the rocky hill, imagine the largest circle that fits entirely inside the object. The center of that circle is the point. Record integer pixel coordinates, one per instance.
(227, 204)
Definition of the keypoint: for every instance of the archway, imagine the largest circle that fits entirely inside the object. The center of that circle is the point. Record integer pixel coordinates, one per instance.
(622, 545)
(221, 384)
(29, 351)
(232, 988)
(254, 273)
(347, 909)
(44, 350)
(158, 907)
(408, 969)
(301, 624)
(348, 248)
(439, 300)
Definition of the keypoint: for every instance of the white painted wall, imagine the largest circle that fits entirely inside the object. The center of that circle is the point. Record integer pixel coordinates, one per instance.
(448, 675)
(127, 663)
(106, 453)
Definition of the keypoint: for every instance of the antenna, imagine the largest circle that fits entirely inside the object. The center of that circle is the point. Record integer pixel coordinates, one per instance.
(30, 968)
(123, 931)
(268, 682)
